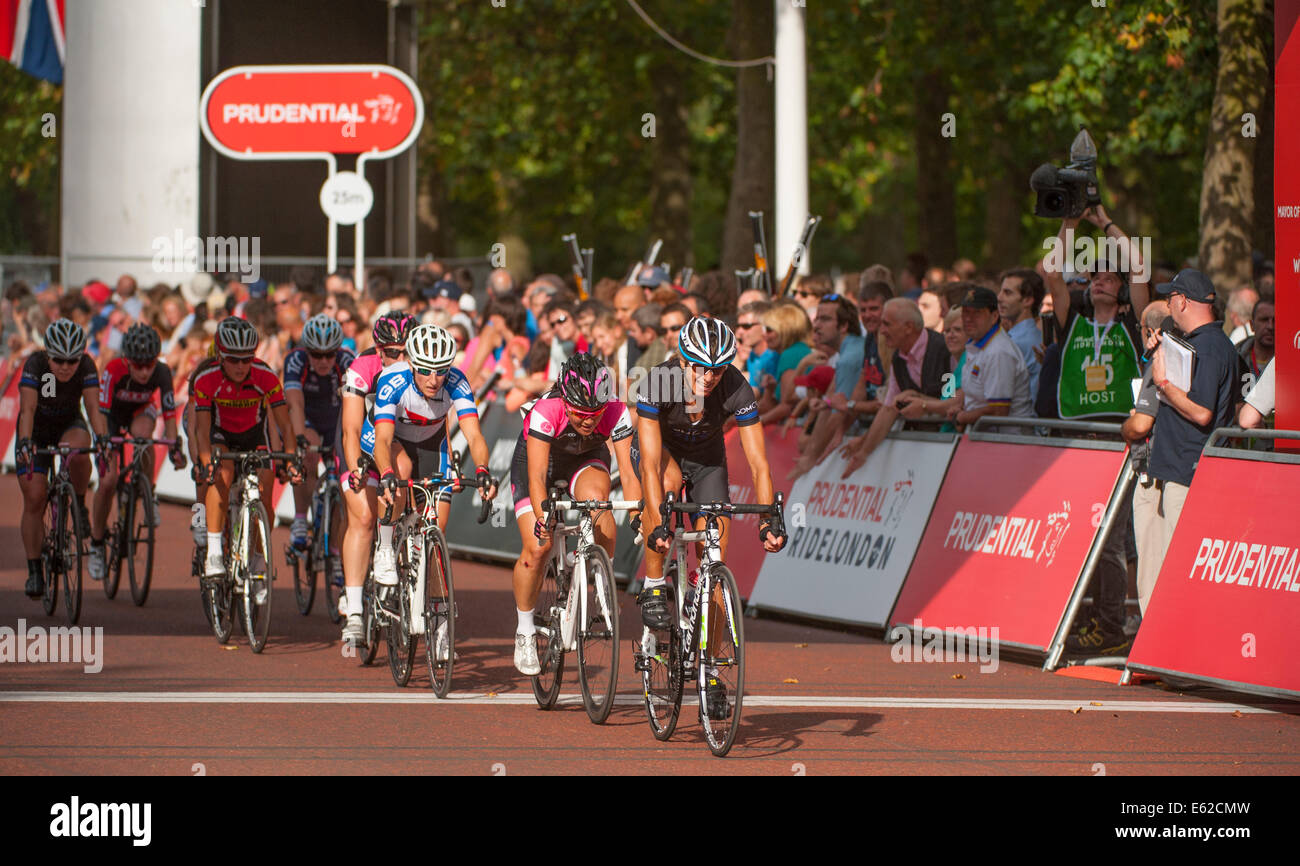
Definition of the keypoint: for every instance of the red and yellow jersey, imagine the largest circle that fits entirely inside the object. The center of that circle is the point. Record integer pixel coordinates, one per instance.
(237, 406)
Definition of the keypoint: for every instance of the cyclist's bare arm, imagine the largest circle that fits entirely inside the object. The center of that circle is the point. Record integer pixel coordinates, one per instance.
(26, 411)
(539, 457)
(478, 447)
(652, 477)
(297, 413)
(383, 447)
(751, 439)
(631, 484)
(354, 413)
(98, 420)
(203, 435)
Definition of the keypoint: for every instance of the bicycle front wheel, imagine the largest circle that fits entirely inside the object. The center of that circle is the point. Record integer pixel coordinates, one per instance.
(332, 570)
(550, 650)
(70, 543)
(115, 544)
(369, 621)
(722, 662)
(598, 638)
(139, 552)
(401, 640)
(439, 613)
(52, 551)
(304, 578)
(258, 576)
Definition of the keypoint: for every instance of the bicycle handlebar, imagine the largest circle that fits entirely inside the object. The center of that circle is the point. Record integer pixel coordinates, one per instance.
(218, 454)
(457, 483)
(141, 440)
(775, 510)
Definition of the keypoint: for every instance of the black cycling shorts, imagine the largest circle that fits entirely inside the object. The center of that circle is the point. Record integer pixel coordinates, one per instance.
(562, 467)
(48, 435)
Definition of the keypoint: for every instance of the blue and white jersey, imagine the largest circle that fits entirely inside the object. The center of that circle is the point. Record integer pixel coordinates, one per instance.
(419, 419)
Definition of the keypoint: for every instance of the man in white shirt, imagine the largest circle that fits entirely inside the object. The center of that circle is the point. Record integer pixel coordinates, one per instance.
(994, 379)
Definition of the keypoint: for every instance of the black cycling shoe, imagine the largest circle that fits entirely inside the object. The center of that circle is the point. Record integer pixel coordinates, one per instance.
(654, 607)
(35, 585)
(715, 700)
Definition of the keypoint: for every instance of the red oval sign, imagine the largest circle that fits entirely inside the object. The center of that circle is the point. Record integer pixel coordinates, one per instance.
(282, 112)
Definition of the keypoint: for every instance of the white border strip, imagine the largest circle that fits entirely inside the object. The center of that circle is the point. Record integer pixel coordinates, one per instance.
(515, 699)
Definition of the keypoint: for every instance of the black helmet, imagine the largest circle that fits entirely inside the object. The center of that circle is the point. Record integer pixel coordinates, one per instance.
(392, 329)
(141, 343)
(584, 382)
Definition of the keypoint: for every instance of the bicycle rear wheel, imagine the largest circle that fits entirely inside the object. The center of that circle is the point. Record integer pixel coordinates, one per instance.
(439, 613)
(332, 563)
(369, 621)
(51, 551)
(598, 638)
(260, 574)
(70, 543)
(304, 577)
(139, 551)
(550, 651)
(722, 660)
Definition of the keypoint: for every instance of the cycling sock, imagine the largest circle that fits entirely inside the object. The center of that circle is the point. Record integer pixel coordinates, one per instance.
(526, 626)
(353, 594)
(386, 535)
(214, 541)
(96, 542)
(652, 582)
(33, 566)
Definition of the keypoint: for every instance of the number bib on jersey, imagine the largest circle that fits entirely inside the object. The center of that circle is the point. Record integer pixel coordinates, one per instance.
(1098, 365)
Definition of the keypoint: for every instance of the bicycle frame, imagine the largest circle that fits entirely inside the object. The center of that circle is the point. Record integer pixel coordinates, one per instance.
(577, 604)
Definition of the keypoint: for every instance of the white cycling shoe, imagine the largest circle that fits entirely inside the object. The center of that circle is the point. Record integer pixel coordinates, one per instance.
(385, 566)
(526, 655)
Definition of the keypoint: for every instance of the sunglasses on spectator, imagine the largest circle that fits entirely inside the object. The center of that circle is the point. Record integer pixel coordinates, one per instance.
(744, 326)
(804, 293)
(321, 356)
(393, 354)
(343, 319)
(429, 371)
(559, 320)
(672, 328)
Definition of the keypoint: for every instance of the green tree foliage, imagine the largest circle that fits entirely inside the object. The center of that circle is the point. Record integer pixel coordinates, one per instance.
(29, 163)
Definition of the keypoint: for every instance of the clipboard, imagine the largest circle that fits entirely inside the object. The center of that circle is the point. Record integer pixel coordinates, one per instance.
(1180, 361)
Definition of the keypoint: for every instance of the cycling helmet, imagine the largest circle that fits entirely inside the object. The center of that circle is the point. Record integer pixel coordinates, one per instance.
(322, 334)
(141, 343)
(392, 329)
(584, 382)
(707, 342)
(65, 340)
(430, 346)
(236, 336)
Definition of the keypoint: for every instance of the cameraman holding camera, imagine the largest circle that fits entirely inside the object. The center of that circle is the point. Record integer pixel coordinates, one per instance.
(1099, 361)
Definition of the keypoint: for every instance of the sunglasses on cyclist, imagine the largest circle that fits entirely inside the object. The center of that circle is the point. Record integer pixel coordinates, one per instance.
(64, 362)
(584, 414)
(429, 371)
(142, 365)
(322, 356)
(701, 370)
(393, 354)
(237, 359)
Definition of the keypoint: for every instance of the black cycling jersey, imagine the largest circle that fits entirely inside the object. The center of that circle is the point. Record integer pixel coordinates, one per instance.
(700, 440)
(61, 408)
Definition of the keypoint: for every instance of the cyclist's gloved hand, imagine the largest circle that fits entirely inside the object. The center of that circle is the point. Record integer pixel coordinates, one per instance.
(765, 529)
(635, 523)
(486, 486)
(540, 527)
(661, 539)
(177, 455)
(303, 443)
(103, 451)
(355, 481)
(24, 451)
(389, 482)
(294, 470)
(199, 473)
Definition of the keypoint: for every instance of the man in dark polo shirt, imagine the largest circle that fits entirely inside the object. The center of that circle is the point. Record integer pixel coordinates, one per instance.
(1185, 419)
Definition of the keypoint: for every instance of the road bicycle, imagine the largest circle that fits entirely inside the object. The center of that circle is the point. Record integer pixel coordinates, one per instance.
(321, 555)
(706, 643)
(247, 542)
(64, 547)
(131, 538)
(577, 608)
(424, 600)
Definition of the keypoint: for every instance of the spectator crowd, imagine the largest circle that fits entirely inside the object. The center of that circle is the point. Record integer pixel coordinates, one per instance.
(837, 363)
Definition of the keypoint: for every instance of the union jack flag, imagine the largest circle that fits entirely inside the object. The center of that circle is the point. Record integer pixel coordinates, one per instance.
(31, 36)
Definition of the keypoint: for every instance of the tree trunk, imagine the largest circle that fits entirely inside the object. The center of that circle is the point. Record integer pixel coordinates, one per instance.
(1228, 183)
(753, 182)
(935, 195)
(1004, 202)
(670, 187)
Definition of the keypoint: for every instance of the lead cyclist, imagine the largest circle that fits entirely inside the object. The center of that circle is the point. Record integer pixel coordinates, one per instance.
(681, 412)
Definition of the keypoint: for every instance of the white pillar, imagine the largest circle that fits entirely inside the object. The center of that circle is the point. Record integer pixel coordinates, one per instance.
(130, 136)
(791, 135)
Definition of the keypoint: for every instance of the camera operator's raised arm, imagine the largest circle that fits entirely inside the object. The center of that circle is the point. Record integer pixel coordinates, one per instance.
(1138, 269)
(1050, 268)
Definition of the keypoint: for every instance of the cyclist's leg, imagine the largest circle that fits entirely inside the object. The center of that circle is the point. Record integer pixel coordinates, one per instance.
(302, 492)
(35, 487)
(591, 481)
(142, 425)
(78, 436)
(102, 503)
(359, 538)
(218, 500)
(654, 561)
(527, 578)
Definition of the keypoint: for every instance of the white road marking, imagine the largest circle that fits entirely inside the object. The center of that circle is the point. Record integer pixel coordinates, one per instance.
(525, 699)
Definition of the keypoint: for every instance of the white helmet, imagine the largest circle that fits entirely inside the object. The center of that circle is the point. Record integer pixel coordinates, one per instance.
(430, 346)
(65, 340)
(322, 334)
(707, 342)
(236, 336)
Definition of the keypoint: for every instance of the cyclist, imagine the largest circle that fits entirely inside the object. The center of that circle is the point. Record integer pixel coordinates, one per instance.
(360, 483)
(198, 473)
(313, 374)
(127, 390)
(56, 382)
(230, 400)
(412, 400)
(682, 408)
(564, 436)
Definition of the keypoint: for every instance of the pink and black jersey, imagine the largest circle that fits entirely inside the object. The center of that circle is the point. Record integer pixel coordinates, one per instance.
(549, 422)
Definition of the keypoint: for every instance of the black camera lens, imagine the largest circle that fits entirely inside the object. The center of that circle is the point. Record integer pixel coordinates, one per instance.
(1054, 202)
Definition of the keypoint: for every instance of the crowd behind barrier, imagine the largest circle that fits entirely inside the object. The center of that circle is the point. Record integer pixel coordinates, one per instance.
(839, 367)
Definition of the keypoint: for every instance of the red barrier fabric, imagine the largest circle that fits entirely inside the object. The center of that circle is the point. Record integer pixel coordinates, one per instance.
(1008, 538)
(1227, 601)
(8, 407)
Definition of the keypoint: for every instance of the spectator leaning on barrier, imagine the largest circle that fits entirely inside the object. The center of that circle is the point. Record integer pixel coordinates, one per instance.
(1020, 293)
(994, 378)
(835, 332)
(1184, 420)
(918, 371)
(1260, 400)
(753, 356)
(787, 329)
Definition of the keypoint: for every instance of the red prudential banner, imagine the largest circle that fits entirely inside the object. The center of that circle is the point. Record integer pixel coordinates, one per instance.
(1286, 219)
(285, 112)
(1227, 602)
(1008, 538)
